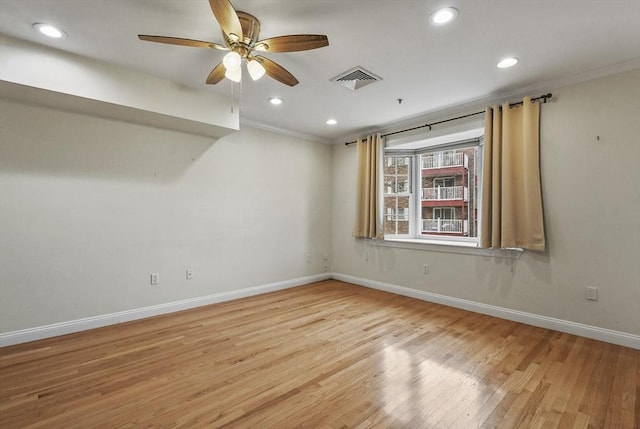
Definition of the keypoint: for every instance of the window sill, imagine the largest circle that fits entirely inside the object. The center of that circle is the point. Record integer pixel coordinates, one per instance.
(457, 247)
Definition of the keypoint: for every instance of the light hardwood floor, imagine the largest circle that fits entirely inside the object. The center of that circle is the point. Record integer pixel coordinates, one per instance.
(326, 355)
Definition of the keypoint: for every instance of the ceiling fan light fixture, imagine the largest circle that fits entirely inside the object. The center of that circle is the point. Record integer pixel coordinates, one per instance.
(256, 70)
(234, 75)
(443, 16)
(232, 61)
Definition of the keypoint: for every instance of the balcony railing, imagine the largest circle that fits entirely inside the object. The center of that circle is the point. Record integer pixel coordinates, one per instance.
(397, 217)
(445, 193)
(444, 159)
(452, 226)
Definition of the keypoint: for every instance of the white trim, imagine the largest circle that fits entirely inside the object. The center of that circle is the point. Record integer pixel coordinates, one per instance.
(460, 247)
(480, 103)
(284, 131)
(71, 326)
(62, 328)
(442, 138)
(588, 331)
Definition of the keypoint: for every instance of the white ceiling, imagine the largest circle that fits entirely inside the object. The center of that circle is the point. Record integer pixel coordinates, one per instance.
(430, 68)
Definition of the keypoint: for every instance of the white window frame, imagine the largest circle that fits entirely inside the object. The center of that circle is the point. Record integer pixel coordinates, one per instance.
(415, 149)
(409, 190)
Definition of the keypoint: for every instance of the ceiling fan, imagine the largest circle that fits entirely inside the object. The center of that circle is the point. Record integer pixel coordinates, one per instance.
(241, 32)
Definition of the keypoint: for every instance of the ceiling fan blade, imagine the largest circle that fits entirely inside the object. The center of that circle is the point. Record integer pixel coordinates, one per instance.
(276, 71)
(216, 75)
(181, 42)
(292, 43)
(227, 18)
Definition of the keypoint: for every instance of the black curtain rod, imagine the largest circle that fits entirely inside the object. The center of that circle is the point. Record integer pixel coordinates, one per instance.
(542, 97)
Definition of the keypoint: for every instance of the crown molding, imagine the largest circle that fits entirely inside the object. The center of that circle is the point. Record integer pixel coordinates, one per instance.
(283, 131)
(481, 103)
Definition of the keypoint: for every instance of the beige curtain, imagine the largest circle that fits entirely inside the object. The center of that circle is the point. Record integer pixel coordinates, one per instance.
(368, 219)
(511, 191)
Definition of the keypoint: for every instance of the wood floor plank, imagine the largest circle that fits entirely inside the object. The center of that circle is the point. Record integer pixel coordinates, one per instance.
(329, 355)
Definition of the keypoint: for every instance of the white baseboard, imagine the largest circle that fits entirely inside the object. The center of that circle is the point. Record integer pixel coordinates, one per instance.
(594, 332)
(62, 328)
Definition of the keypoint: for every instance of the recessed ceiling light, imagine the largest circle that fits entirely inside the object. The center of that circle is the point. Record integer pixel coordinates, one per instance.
(331, 122)
(49, 30)
(443, 16)
(507, 62)
(276, 101)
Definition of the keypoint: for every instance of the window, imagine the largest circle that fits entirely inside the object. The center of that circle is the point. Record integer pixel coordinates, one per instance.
(444, 182)
(397, 213)
(443, 213)
(431, 190)
(397, 179)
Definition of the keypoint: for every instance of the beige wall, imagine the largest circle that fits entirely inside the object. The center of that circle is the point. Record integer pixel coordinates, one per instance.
(591, 190)
(89, 207)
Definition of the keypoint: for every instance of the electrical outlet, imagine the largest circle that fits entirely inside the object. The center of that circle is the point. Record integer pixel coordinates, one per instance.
(155, 278)
(308, 257)
(189, 274)
(592, 293)
(425, 269)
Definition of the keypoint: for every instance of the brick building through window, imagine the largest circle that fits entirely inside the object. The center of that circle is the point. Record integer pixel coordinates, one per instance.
(433, 192)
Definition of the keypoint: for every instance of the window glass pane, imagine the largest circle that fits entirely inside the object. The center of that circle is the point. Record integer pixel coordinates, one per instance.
(449, 192)
(397, 178)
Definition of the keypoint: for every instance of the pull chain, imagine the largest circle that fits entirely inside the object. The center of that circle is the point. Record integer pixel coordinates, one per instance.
(240, 97)
(232, 100)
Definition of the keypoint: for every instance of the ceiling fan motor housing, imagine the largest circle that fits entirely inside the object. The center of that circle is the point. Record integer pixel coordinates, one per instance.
(250, 32)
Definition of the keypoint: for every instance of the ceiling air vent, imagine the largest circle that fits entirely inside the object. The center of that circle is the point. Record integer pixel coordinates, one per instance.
(356, 78)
